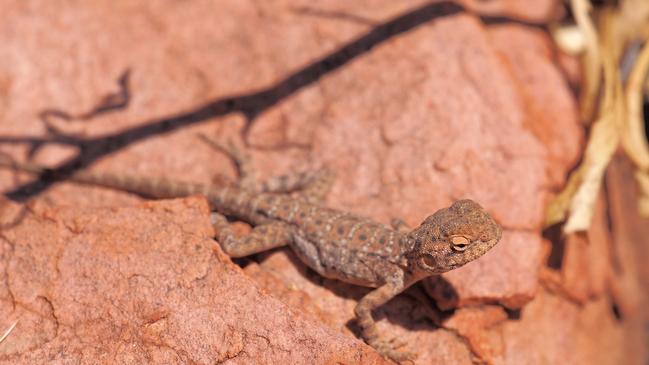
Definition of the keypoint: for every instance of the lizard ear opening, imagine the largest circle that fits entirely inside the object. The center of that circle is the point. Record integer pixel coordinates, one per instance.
(429, 261)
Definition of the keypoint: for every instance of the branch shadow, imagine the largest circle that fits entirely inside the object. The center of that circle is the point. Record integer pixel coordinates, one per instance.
(109, 103)
(251, 105)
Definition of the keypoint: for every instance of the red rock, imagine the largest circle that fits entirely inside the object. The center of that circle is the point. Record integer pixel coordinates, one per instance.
(552, 330)
(601, 297)
(482, 329)
(629, 277)
(586, 265)
(146, 284)
(421, 119)
(531, 11)
(530, 55)
(288, 293)
(467, 141)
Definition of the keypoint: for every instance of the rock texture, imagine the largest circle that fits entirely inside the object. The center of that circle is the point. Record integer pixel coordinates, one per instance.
(414, 104)
(145, 284)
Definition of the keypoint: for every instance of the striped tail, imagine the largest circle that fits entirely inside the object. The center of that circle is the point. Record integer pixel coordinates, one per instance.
(149, 187)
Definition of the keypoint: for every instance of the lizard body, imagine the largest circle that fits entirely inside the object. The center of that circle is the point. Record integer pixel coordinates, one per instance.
(334, 243)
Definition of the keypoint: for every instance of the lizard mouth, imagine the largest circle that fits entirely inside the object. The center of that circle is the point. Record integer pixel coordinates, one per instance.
(432, 266)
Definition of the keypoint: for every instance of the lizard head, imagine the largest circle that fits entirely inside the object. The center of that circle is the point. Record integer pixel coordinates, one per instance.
(452, 237)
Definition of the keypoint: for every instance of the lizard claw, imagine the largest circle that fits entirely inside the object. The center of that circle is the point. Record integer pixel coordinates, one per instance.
(239, 156)
(396, 343)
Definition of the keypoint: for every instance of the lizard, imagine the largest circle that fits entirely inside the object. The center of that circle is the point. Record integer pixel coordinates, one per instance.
(287, 211)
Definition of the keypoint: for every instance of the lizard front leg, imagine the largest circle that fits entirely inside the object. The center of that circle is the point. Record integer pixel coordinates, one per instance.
(262, 238)
(400, 225)
(374, 299)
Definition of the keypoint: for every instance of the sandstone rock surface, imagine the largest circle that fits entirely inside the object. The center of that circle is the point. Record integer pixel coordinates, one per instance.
(145, 284)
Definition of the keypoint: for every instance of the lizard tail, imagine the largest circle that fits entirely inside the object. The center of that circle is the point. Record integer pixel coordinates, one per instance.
(146, 186)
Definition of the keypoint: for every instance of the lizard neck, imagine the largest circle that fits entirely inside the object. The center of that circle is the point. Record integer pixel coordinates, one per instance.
(407, 245)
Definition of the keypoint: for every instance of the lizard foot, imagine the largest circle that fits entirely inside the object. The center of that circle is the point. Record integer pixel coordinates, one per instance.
(399, 225)
(241, 159)
(390, 348)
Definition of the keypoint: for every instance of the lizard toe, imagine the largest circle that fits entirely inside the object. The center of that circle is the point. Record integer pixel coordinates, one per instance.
(389, 350)
(396, 343)
(400, 356)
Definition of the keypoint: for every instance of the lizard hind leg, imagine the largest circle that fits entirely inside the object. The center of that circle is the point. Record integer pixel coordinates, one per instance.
(312, 186)
(241, 159)
(262, 237)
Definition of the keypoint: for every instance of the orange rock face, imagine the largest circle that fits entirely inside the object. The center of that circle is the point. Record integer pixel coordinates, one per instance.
(146, 284)
(414, 105)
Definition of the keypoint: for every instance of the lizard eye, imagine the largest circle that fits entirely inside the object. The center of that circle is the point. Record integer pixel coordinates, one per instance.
(460, 243)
